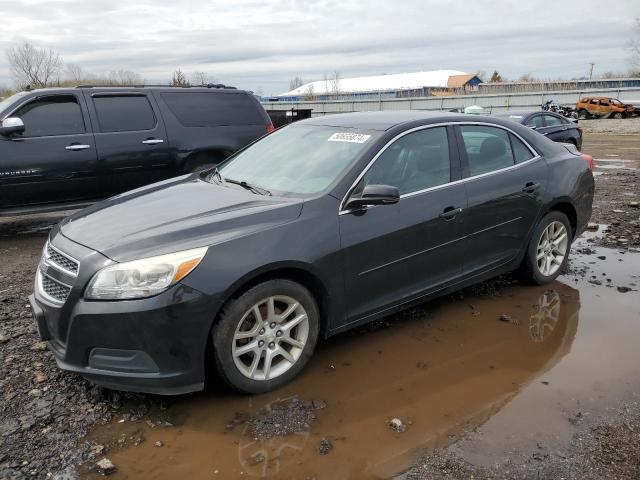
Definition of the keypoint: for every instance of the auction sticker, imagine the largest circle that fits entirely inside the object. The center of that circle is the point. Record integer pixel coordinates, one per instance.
(349, 137)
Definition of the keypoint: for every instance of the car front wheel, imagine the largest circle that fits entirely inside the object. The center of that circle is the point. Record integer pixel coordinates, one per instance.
(548, 249)
(265, 337)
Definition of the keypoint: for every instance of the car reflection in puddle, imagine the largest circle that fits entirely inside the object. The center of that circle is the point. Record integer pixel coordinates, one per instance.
(444, 367)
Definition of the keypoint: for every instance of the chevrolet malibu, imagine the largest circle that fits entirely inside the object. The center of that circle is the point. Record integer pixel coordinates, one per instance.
(319, 227)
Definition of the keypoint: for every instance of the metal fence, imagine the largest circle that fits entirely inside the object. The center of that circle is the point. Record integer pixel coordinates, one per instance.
(491, 102)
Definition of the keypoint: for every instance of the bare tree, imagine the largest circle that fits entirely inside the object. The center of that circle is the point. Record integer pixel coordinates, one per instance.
(634, 45)
(496, 77)
(33, 66)
(335, 85)
(201, 78)
(5, 91)
(527, 78)
(74, 74)
(309, 93)
(295, 82)
(179, 79)
(125, 78)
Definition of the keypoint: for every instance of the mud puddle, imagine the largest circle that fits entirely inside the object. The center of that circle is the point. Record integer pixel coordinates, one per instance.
(519, 366)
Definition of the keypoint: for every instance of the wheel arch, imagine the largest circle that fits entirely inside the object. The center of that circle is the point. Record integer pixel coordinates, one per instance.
(567, 207)
(204, 156)
(299, 272)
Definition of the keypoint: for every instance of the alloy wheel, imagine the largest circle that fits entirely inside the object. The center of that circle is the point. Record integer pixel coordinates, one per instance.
(270, 337)
(552, 248)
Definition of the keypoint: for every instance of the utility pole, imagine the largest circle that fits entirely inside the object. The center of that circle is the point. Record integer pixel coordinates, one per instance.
(591, 65)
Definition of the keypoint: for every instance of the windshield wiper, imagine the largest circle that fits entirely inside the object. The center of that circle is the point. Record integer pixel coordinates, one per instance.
(252, 188)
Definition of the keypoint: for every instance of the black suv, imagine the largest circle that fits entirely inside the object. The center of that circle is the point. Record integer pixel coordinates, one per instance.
(67, 147)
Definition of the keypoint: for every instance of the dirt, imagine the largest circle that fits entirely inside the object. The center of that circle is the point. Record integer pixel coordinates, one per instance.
(500, 380)
(627, 126)
(617, 203)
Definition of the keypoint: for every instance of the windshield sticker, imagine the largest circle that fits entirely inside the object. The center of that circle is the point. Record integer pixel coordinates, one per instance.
(349, 137)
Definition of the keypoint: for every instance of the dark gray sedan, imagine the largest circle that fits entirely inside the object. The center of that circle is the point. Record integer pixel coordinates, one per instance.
(318, 227)
(551, 125)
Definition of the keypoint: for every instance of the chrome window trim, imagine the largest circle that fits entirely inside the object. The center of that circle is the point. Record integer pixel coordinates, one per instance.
(536, 156)
(52, 94)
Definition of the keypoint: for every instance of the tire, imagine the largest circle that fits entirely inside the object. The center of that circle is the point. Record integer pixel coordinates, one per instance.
(618, 115)
(584, 114)
(531, 270)
(238, 318)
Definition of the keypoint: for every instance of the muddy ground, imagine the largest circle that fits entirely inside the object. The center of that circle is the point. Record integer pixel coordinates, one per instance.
(500, 381)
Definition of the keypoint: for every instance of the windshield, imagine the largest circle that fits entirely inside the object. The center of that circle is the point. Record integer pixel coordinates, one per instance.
(298, 159)
(4, 104)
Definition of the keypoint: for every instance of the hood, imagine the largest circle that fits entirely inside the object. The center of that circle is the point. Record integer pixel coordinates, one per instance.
(177, 214)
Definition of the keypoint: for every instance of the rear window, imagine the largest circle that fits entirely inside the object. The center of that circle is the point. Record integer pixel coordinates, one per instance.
(125, 113)
(211, 109)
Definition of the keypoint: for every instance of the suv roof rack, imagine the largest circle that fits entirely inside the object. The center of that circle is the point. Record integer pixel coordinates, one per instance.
(208, 85)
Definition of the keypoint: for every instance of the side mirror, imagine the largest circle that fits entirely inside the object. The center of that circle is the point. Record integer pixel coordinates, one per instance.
(532, 127)
(374, 195)
(11, 125)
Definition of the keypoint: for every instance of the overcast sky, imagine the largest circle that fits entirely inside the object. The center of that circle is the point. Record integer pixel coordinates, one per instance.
(260, 45)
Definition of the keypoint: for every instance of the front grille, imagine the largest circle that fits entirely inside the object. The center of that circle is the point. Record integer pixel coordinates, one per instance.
(53, 289)
(61, 260)
(57, 275)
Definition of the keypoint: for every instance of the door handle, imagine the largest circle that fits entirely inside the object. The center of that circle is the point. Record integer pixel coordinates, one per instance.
(450, 212)
(531, 187)
(152, 141)
(76, 146)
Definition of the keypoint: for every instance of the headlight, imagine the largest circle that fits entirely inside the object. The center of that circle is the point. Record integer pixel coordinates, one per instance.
(143, 278)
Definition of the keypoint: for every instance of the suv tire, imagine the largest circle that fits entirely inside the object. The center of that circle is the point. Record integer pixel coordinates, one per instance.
(264, 338)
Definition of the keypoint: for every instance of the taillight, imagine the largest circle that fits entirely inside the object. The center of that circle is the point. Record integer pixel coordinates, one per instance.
(588, 159)
(270, 127)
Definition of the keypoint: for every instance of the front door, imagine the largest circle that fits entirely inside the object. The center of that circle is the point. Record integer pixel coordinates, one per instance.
(505, 180)
(396, 253)
(54, 160)
(132, 144)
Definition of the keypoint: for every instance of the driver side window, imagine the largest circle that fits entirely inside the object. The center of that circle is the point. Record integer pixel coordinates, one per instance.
(51, 116)
(414, 162)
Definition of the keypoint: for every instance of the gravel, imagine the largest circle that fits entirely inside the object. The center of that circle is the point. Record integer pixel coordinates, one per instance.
(45, 411)
(599, 449)
(626, 126)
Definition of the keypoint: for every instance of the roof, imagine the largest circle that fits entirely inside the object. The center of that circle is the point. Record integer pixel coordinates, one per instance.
(384, 120)
(458, 81)
(379, 83)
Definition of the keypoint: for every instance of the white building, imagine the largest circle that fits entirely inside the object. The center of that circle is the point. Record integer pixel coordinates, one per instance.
(385, 86)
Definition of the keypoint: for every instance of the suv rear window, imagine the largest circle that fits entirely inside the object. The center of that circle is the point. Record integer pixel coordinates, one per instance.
(124, 113)
(212, 109)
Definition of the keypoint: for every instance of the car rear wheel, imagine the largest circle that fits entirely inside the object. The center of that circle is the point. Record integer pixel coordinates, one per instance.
(548, 250)
(265, 337)
(618, 115)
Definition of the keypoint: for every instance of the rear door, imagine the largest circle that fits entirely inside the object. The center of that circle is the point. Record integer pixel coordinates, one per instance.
(54, 160)
(130, 138)
(555, 128)
(211, 120)
(398, 252)
(505, 179)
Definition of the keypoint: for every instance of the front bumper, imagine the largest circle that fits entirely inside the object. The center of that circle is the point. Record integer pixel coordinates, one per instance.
(151, 345)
